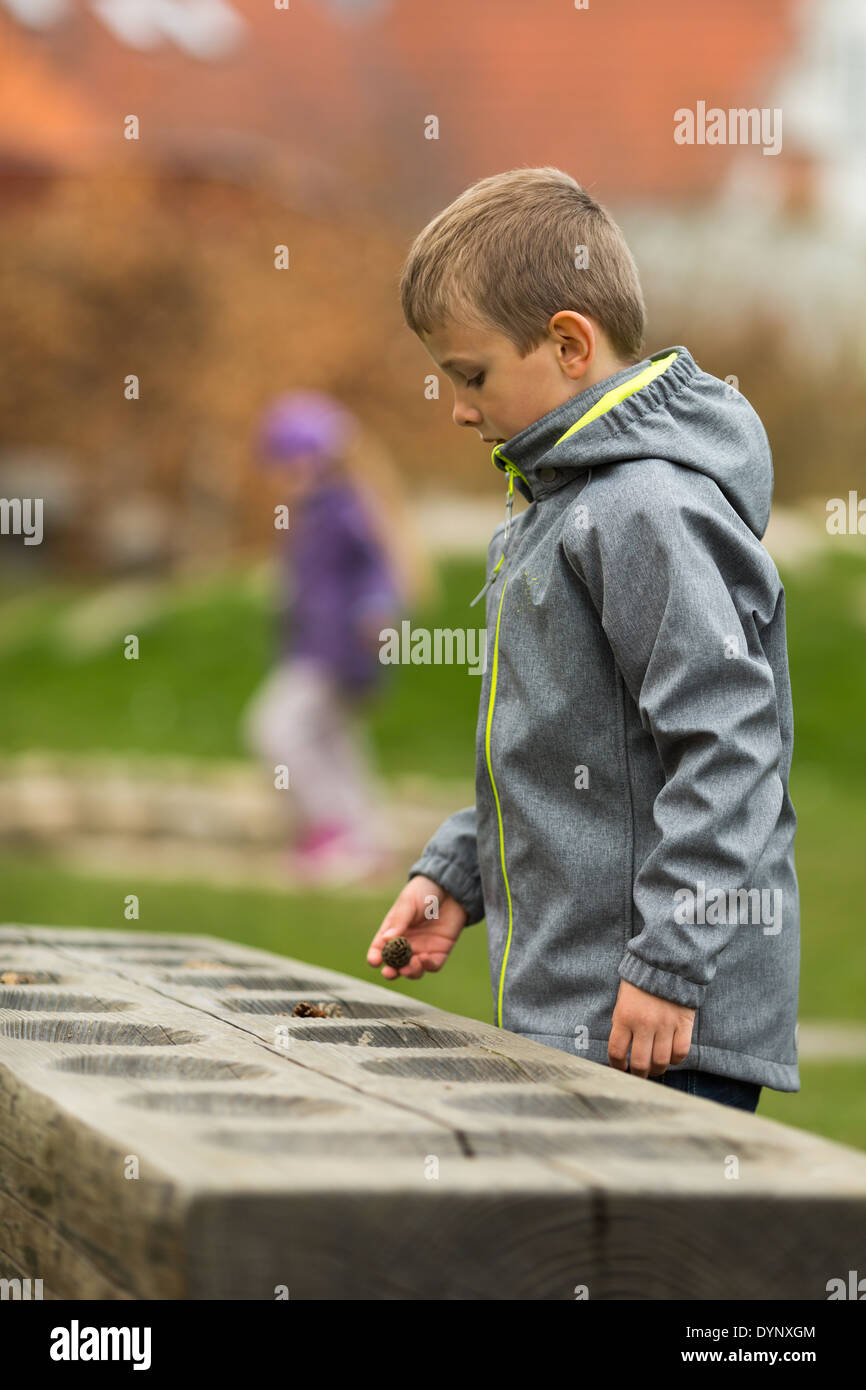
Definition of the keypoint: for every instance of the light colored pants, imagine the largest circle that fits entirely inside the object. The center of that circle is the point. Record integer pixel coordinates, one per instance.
(299, 716)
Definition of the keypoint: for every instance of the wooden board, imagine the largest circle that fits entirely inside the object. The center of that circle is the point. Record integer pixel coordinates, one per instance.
(169, 1130)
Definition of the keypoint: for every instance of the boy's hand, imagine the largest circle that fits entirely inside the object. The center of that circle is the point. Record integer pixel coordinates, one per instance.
(432, 937)
(658, 1031)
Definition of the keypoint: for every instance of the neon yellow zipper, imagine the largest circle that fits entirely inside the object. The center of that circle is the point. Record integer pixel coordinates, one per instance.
(619, 393)
(509, 500)
(498, 807)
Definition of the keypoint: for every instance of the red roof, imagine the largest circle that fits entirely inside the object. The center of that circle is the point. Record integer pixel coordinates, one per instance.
(593, 91)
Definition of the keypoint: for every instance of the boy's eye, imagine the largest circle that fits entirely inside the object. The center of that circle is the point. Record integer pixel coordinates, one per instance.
(476, 380)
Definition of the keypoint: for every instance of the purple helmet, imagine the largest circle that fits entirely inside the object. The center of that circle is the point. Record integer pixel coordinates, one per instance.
(304, 423)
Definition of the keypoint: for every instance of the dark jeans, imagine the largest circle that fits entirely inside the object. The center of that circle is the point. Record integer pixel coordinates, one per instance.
(743, 1095)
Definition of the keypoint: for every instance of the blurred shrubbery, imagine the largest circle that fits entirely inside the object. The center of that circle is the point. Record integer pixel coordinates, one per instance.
(176, 284)
(173, 280)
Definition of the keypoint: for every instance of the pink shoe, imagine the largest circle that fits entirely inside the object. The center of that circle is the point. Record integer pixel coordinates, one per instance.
(317, 838)
(332, 854)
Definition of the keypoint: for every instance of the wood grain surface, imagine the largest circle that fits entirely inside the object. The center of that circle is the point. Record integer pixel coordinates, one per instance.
(168, 1130)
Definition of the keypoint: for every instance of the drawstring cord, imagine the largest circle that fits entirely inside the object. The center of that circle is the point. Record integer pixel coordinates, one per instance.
(658, 364)
(509, 502)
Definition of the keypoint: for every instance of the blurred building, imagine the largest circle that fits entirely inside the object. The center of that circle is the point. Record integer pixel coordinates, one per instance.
(328, 105)
(325, 82)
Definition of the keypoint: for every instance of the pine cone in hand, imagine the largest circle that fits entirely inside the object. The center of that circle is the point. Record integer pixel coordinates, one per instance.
(397, 952)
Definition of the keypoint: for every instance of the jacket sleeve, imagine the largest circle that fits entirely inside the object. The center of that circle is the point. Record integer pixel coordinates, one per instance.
(682, 592)
(450, 858)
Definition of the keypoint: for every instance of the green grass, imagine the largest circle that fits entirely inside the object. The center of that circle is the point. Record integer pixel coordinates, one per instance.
(200, 660)
(826, 621)
(830, 1102)
(831, 833)
(204, 652)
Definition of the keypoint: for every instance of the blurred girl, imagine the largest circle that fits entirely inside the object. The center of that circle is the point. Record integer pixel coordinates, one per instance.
(351, 566)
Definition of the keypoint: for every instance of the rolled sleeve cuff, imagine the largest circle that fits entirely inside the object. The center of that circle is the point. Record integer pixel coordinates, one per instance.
(661, 982)
(465, 887)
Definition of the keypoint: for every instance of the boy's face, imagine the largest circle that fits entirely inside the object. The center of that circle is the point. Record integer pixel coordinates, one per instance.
(498, 392)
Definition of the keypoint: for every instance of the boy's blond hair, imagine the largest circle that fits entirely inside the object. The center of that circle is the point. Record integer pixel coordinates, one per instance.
(508, 251)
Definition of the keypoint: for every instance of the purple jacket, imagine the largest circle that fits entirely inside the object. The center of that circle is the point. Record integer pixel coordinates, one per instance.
(335, 572)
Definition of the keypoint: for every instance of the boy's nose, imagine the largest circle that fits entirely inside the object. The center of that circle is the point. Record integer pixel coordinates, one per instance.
(466, 415)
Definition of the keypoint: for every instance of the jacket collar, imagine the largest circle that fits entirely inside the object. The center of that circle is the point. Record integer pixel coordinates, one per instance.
(530, 456)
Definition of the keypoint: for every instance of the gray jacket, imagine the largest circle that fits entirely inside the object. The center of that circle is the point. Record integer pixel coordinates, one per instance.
(632, 818)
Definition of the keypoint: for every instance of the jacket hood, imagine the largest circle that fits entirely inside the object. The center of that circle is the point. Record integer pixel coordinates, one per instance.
(664, 407)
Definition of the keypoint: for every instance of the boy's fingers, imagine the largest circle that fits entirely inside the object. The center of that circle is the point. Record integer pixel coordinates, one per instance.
(419, 965)
(395, 924)
(396, 921)
(682, 1042)
(617, 1046)
(414, 970)
(434, 960)
(641, 1054)
(661, 1056)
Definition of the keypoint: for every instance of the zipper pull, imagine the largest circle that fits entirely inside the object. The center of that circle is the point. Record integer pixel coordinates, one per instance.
(509, 503)
(489, 582)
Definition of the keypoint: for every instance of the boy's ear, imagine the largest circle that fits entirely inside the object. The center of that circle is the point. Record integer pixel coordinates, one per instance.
(576, 337)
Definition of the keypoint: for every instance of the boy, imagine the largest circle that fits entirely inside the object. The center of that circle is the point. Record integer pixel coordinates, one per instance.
(631, 845)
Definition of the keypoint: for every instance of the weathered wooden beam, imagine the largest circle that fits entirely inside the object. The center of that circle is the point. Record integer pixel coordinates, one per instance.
(168, 1129)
